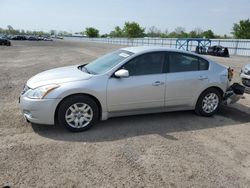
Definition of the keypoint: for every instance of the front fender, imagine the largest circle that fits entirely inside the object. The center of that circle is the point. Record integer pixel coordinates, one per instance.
(98, 91)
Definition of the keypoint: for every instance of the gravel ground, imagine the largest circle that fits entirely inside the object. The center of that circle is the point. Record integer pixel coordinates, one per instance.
(176, 149)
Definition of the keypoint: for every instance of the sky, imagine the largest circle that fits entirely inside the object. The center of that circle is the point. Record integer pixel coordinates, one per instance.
(76, 15)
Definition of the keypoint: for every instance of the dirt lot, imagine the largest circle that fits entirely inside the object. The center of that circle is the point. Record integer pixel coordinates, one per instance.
(177, 149)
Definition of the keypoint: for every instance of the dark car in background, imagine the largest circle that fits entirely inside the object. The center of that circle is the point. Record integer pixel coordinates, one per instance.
(218, 51)
(34, 38)
(19, 37)
(4, 41)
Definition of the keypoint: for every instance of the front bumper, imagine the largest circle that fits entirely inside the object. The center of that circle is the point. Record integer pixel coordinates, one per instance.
(40, 111)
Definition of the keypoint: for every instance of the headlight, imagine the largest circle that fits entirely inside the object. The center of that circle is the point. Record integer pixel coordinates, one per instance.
(41, 92)
(246, 71)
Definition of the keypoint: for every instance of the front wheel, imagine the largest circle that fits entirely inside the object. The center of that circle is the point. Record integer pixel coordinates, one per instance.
(78, 113)
(208, 103)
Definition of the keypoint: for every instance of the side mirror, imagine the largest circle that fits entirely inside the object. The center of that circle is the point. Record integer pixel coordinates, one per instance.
(122, 73)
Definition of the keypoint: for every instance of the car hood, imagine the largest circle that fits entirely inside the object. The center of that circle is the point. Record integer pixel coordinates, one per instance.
(57, 76)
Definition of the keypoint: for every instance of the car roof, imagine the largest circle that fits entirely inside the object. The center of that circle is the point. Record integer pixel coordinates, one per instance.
(143, 49)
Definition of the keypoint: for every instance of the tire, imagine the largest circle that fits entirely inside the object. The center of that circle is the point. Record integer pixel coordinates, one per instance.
(208, 103)
(74, 112)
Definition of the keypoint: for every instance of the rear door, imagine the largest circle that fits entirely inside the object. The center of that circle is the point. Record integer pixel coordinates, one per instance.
(187, 75)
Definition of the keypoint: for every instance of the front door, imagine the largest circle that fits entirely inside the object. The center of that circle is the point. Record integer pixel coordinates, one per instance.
(144, 88)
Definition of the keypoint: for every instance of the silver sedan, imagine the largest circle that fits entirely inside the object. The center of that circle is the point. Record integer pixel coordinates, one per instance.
(129, 81)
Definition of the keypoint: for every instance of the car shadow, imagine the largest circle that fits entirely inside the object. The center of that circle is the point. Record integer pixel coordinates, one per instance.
(161, 124)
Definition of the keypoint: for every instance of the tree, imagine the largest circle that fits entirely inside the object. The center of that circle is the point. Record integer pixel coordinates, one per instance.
(133, 30)
(154, 32)
(209, 34)
(192, 34)
(11, 30)
(198, 32)
(22, 32)
(242, 29)
(173, 35)
(118, 32)
(104, 35)
(92, 32)
(52, 32)
(179, 32)
(64, 33)
(164, 34)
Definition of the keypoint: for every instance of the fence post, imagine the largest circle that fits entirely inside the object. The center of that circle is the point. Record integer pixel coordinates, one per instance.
(236, 47)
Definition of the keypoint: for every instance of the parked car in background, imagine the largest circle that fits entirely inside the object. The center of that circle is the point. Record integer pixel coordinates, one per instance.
(33, 38)
(19, 37)
(245, 77)
(8, 36)
(59, 37)
(40, 38)
(200, 50)
(47, 39)
(218, 51)
(4, 41)
(129, 81)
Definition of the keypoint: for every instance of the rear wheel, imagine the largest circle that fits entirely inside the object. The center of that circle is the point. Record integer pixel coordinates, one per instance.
(78, 113)
(208, 103)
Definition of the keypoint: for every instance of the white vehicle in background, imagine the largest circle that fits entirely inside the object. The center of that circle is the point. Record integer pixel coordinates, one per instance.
(129, 81)
(245, 77)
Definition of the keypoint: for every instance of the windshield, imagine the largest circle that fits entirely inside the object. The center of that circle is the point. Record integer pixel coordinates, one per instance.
(105, 63)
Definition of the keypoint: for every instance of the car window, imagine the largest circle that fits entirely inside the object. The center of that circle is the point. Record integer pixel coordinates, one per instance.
(203, 64)
(106, 62)
(179, 62)
(150, 63)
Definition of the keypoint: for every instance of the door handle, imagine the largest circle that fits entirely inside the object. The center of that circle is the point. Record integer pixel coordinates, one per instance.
(157, 83)
(203, 78)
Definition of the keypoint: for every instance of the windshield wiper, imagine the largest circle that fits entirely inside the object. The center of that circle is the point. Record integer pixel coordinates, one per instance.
(83, 68)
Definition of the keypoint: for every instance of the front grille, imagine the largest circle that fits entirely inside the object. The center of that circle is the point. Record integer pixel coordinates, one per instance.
(25, 89)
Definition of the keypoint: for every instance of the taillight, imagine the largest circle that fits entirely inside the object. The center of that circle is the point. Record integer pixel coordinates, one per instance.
(230, 73)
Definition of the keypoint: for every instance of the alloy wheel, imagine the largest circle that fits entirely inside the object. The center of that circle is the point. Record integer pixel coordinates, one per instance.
(79, 115)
